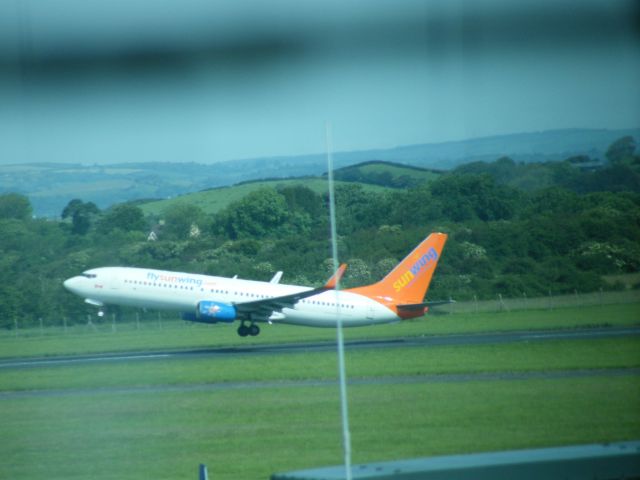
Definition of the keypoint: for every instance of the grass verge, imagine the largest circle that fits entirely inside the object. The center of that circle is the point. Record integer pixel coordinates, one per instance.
(175, 335)
(415, 361)
(251, 434)
(85, 421)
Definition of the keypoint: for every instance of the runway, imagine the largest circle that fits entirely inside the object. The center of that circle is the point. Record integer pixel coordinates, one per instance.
(292, 348)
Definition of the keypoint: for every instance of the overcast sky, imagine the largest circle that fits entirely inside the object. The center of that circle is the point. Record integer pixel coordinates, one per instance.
(205, 81)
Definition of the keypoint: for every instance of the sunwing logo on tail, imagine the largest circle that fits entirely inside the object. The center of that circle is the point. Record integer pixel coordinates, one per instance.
(423, 263)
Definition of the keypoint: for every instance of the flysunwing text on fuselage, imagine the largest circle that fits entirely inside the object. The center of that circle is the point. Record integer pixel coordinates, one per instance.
(210, 299)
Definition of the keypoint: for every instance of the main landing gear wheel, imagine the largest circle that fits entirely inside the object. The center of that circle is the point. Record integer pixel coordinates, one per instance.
(245, 330)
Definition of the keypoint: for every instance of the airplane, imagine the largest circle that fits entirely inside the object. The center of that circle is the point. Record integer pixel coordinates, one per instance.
(209, 299)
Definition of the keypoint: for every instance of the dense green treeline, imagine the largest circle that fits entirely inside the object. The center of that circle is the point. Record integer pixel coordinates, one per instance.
(561, 236)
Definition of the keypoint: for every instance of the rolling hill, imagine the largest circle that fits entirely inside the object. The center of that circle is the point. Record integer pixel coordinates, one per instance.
(50, 186)
(215, 199)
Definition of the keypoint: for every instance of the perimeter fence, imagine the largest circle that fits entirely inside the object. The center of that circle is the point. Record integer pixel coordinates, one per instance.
(108, 323)
(550, 302)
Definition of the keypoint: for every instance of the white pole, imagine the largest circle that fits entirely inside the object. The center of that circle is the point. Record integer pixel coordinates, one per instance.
(346, 437)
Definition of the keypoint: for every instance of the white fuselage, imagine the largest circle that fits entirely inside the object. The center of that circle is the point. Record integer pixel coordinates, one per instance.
(157, 289)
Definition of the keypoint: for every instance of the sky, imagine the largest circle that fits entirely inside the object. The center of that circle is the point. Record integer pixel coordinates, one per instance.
(206, 81)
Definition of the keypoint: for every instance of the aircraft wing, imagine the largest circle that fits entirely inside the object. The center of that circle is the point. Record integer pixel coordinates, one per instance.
(261, 310)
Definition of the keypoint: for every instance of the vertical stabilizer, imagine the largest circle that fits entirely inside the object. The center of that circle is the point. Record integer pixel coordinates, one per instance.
(409, 281)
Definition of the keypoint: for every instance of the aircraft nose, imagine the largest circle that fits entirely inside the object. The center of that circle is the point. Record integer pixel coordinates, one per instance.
(70, 283)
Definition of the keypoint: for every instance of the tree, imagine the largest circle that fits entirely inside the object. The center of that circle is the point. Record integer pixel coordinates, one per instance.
(467, 196)
(621, 151)
(356, 208)
(358, 273)
(418, 201)
(14, 205)
(554, 201)
(81, 214)
(301, 198)
(124, 217)
(11, 306)
(180, 218)
(256, 215)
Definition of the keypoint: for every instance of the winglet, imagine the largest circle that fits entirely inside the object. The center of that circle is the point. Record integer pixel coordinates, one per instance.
(332, 283)
(276, 278)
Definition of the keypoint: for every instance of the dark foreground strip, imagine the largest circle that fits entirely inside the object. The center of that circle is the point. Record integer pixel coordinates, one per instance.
(408, 380)
(610, 460)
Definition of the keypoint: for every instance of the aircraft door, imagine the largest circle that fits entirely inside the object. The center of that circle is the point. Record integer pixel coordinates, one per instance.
(371, 313)
(114, 280)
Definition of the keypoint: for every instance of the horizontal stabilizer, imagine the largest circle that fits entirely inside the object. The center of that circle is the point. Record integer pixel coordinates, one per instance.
(416, 307)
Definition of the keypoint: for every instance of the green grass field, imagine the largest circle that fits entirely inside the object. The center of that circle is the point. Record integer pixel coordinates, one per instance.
(172, 334)
(251, 433)
(250, 416)
(405, 362)
(397, 170)
(212, 201)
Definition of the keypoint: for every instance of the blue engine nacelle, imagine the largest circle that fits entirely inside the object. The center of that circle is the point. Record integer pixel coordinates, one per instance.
(212, 312)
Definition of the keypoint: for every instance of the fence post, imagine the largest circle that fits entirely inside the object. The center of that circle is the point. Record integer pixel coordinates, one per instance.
(475, 302)
(15, 321)
(90, 323)
(600, 296)
(503, 307)
(41, 327)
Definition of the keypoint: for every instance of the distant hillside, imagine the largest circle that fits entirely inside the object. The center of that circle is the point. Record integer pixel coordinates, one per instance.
(387, 174)
(50, 186)
(215, 199)
(552, 145)
(372, 176)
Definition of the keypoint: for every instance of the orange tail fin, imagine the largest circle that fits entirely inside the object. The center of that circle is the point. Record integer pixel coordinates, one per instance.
(409, 281)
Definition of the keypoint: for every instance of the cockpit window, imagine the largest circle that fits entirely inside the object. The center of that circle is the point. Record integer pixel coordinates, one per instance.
(89, 275)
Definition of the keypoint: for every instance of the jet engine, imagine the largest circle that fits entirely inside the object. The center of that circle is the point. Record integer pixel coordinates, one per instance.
(212, 312)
